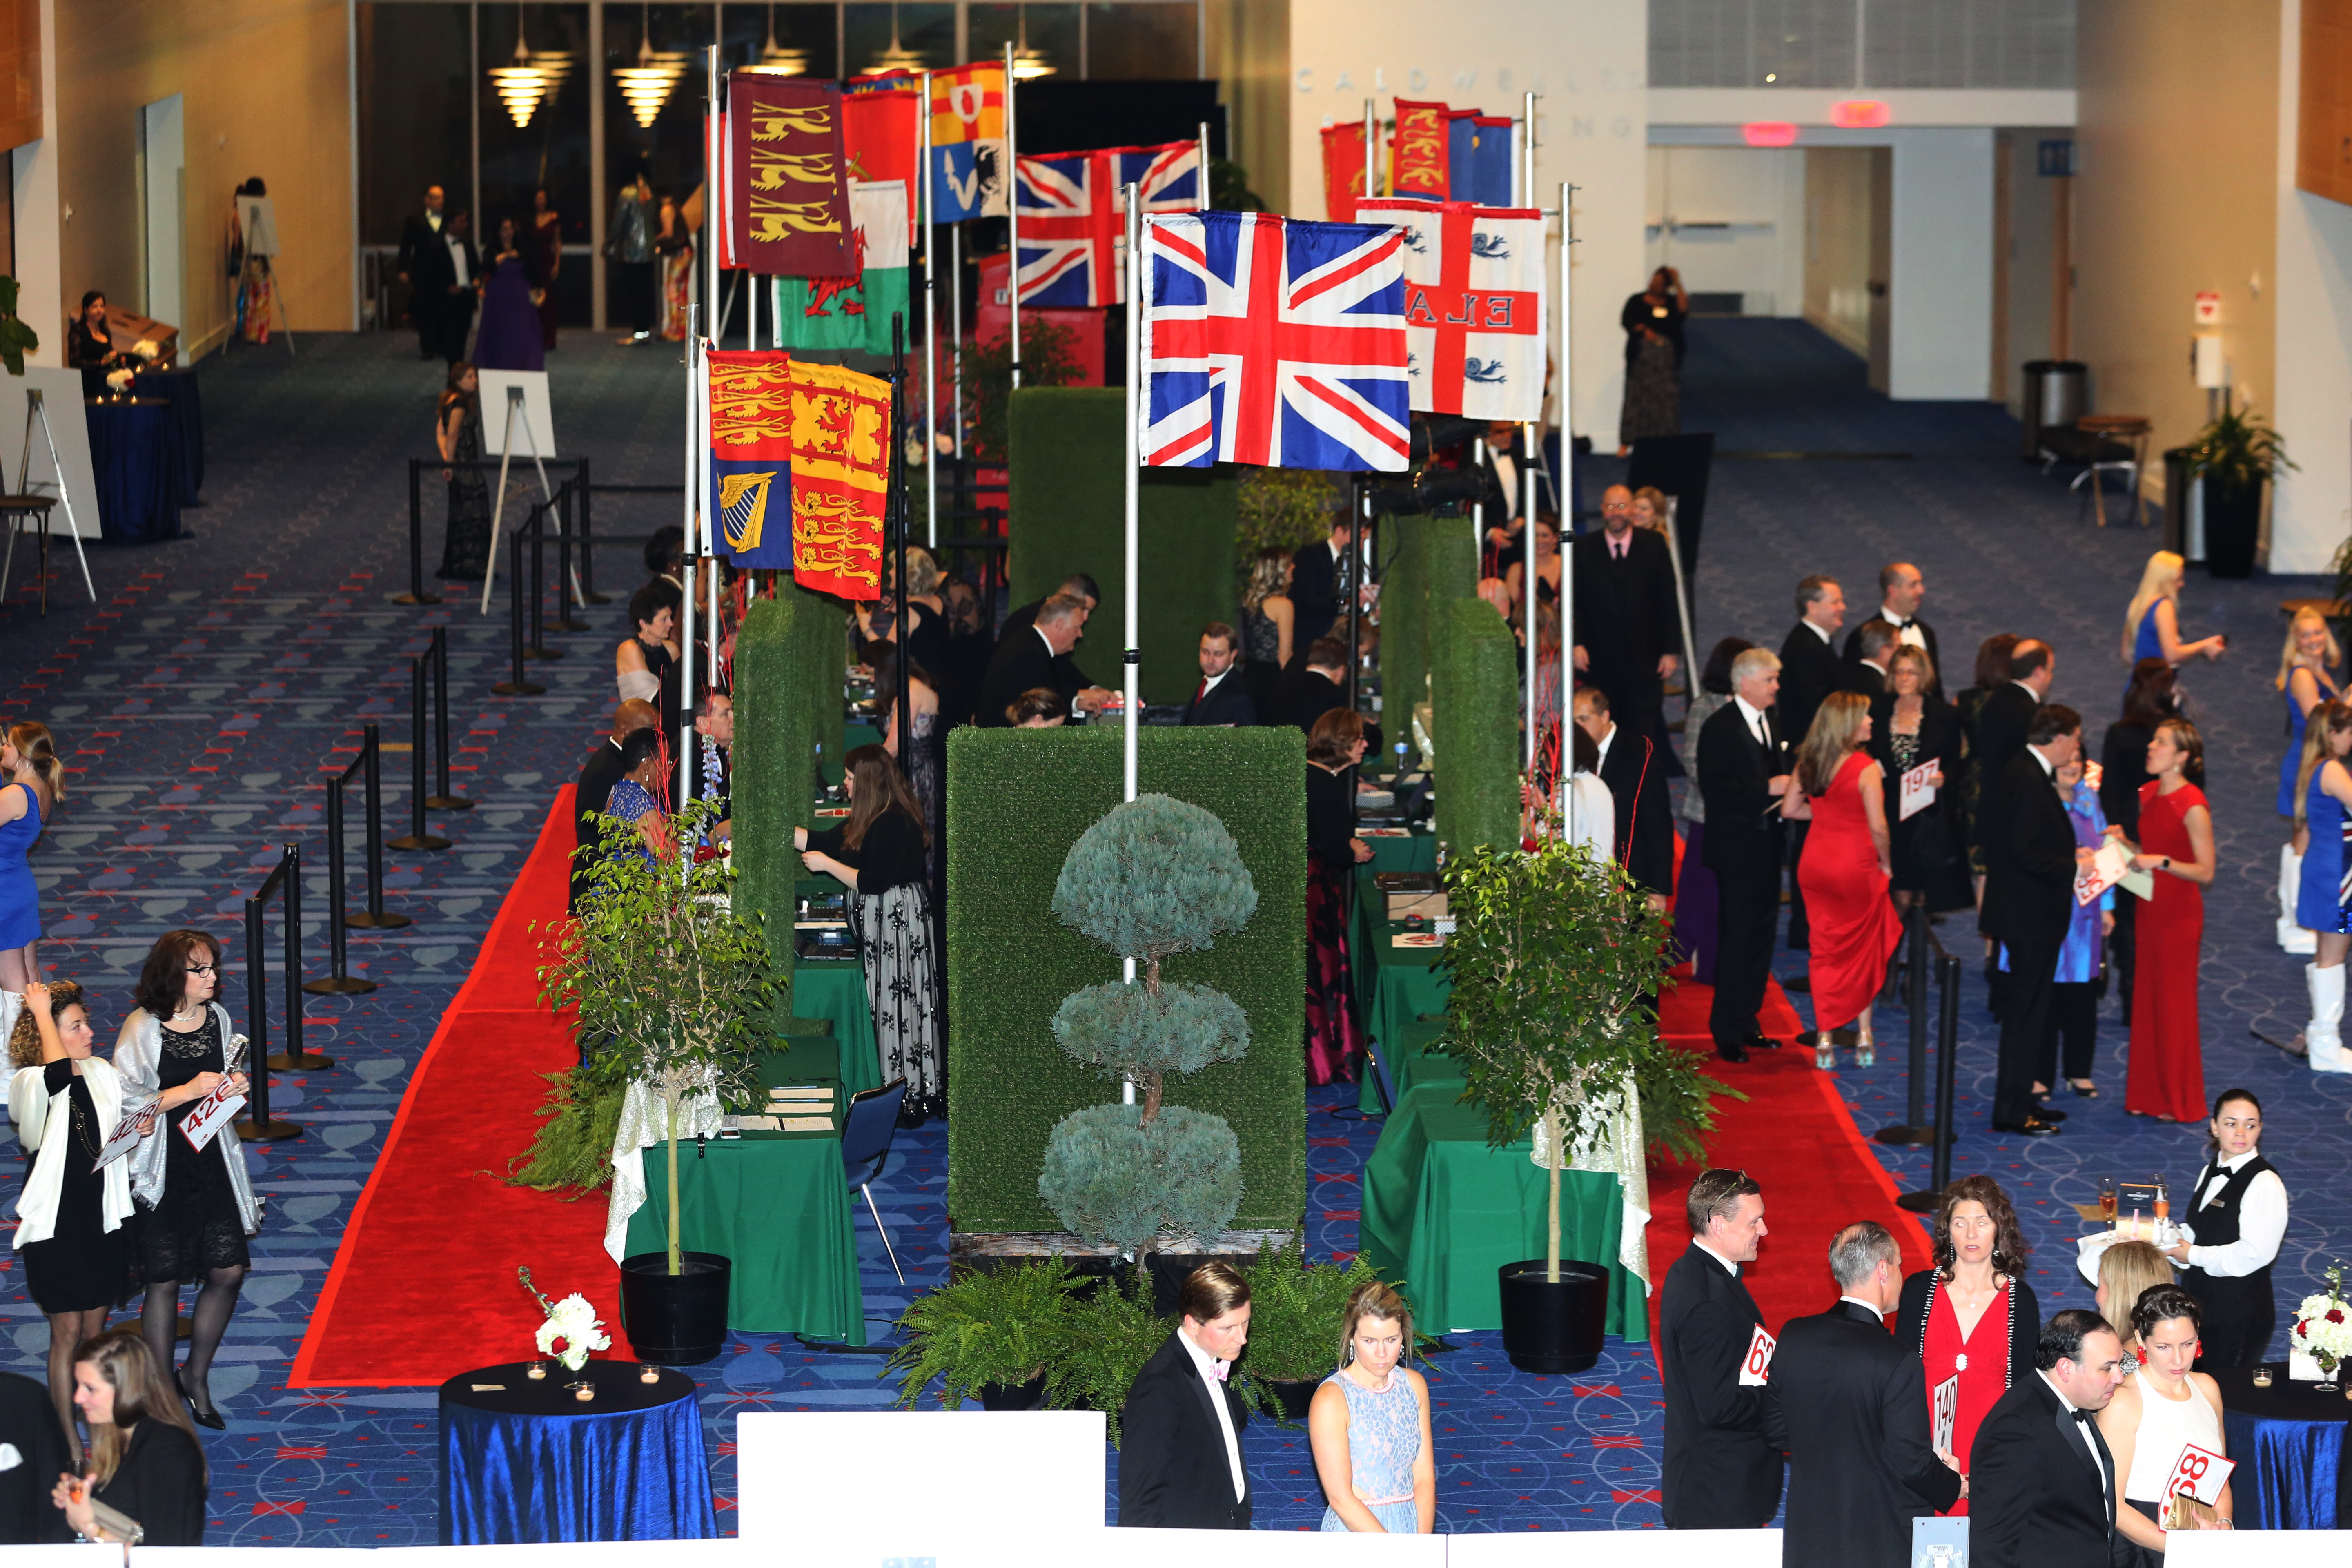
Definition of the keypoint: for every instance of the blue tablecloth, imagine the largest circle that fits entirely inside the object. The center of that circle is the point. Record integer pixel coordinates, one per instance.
(185, 427)
(133, 457)
(527, 1462)
(2288, 1441)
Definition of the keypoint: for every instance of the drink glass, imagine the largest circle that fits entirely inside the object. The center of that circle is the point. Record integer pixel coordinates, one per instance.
(2107, 1200)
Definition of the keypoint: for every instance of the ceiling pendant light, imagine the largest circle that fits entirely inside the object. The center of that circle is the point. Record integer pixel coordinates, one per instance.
(528, 80)
(775, 61)
(646, 86)
(1027, 63)
(897, 58)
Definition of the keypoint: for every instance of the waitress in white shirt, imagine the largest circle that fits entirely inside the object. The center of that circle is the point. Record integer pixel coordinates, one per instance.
(2236, 1219)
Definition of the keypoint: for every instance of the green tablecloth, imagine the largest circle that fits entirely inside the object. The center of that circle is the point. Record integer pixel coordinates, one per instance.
(1395, 986)
(1443, 1212)
(835, 988)
(1415, 852)
(778, 1204)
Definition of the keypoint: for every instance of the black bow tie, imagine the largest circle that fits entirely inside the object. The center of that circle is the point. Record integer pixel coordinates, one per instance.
(2082, 1417)
(1906, 623)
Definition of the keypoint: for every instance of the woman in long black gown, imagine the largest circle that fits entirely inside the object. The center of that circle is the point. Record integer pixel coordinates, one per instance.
(458, 431)
(195, 1205)
(74, 1229)
(1335, 1035)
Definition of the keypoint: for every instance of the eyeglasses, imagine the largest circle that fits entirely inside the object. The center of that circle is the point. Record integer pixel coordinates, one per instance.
(200, 969)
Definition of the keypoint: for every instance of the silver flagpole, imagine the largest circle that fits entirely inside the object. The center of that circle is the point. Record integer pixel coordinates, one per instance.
(696, 435)
(930, 335)
(1371, 157)
(1202, 204)
(955, 326)
(1522, 190)
(1012, 215)
(1566, 483)
(1134, 690)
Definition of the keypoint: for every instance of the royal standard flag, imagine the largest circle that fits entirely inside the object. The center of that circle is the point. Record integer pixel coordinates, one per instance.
(840, 444)
(854, 312)
(750, 500)
(968, 141)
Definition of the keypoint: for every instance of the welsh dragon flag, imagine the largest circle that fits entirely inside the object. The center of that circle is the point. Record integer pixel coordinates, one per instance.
(1473, 305)
(854, 312)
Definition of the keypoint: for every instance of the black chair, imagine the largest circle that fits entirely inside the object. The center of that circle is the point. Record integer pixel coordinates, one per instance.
(866, 1135)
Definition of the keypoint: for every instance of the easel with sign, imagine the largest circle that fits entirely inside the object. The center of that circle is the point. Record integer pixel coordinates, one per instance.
(25, 504)
(515, 415)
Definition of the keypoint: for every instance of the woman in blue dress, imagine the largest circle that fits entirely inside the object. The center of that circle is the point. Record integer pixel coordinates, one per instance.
(2152, 623)
(2325, 792)
(636, 797)
(2303, 683)
(35, 783)
(1369, 1425)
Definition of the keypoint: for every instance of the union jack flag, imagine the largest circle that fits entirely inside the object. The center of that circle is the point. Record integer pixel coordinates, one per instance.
(1276, 341)
(1073, 210)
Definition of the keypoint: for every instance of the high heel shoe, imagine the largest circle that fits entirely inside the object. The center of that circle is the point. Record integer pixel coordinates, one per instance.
(210, 1419)
(1865, 1050)
(1824, 1052)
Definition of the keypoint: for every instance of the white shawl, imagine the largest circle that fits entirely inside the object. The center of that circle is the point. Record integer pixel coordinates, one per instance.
(43, 1121)
(138, 1059)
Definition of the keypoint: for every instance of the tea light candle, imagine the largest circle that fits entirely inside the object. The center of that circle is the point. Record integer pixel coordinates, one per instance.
(536, 1371)
(584, 1393)
(2262, 1377)
(649, 1373)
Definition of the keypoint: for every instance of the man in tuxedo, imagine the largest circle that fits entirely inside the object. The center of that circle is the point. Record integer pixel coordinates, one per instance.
(32, 1457)
(1743, 772)
(419, 266)
(456, 270)
(1180, 1458)
(2042, 1484)
(597, 778)
(1901, 590)
(1039, 654)
(2007, 712)
(1875, 641)
(1077, 585)
(1853, 1405)
(1810, 671)
(1308, 693)
(1722, 1461)
(1320, 578)
(2030, 865)
(1628, 630)
(1221, 698)
(1635, 773)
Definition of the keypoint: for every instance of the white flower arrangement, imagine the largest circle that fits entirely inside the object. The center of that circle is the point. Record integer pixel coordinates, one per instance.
(572, 1320)
(146, 349)
(119, 380)
(2323, 1325)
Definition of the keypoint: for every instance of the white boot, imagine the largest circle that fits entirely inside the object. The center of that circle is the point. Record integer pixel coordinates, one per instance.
(2292, 937)
(2324, 1038)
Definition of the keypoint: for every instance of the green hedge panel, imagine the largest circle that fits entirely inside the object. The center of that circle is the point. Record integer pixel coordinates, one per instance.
(1017, 800)
(1068, 500)
(1476, 726)
(1453, 560)
(772, 733)
(1404, 624)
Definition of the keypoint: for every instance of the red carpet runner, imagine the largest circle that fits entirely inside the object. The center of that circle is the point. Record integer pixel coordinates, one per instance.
(1795, 1136)
(423, 1286)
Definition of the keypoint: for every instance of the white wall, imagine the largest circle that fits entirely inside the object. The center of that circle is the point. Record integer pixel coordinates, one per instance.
(1760, 193)
(1588, 60)
(2309, 517)
(1940, 332)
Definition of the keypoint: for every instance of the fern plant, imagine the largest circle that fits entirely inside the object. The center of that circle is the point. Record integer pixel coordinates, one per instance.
(1295, 1311)
(996, 1325)
(1107, 1338)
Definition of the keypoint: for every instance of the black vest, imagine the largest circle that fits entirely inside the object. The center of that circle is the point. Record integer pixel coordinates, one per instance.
(2216, 1223)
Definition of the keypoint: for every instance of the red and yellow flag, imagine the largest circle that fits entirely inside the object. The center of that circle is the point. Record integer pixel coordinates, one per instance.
(1343, 169)
(1420, 155)
(840, 441)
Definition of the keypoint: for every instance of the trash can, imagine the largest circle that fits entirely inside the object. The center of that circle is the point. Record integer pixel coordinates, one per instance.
(2057, 392)
(2179, 502)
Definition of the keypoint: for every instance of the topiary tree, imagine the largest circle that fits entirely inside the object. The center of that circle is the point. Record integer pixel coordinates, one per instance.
(1154, 878)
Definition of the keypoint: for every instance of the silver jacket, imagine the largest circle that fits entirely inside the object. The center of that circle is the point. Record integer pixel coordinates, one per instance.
(137, 1060)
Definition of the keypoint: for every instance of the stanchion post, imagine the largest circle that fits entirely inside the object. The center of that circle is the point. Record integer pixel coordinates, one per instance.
(258, 1126)
(338, 981)
(294, 1058)
(1914, 1130)
(1948, 1046)
(563, 504)
(518, 685)
(374, 917)
(416, 837)
(588, 593)
(536, 527)
(444, 797)
(416, 594)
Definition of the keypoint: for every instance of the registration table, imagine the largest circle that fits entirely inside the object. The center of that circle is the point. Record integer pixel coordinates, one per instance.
(2288, 1441)
(525, 1460)
(777, 1203)
(835, 988)
(137, 462)
(1444, 1211)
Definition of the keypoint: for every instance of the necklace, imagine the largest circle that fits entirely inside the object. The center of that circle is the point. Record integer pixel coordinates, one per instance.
(84, 1132)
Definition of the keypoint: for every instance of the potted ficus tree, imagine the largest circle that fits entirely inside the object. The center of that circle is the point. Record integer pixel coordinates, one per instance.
(2235, 457)
(1554, 958)
(1154, 878)
(670, 985)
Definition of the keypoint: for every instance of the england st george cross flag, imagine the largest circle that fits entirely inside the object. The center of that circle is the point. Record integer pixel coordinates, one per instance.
(1073, 216)
(1274, 340)
(1473, 305)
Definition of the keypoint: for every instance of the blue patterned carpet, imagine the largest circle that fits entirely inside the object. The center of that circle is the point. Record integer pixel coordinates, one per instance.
(207, 695)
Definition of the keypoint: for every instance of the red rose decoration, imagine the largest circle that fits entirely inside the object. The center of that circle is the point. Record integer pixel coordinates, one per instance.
(2336, 1314)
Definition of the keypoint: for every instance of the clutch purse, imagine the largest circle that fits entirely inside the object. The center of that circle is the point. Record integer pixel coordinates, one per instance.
(117, 1524)
(2185, 1512)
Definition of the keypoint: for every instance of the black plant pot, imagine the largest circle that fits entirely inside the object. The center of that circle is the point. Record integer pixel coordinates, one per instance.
(1293, 1398)
(676, 1320)
(1029, 1395)
(1554, 1326)
(2234, 525)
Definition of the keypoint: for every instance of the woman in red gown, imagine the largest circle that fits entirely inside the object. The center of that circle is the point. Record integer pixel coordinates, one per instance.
(2166, 1078)
(1971, 1316)
(1844, 874)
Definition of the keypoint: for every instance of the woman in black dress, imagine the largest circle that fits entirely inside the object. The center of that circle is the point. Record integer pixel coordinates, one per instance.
(1335, 1035)
(1917, 726)
(74, 1227)
(457, 432)
(1991, 675)
(87, 347)
(877, 855)
(644, 664)
(1653, 321)
(195, 1205)
(145, 1460)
